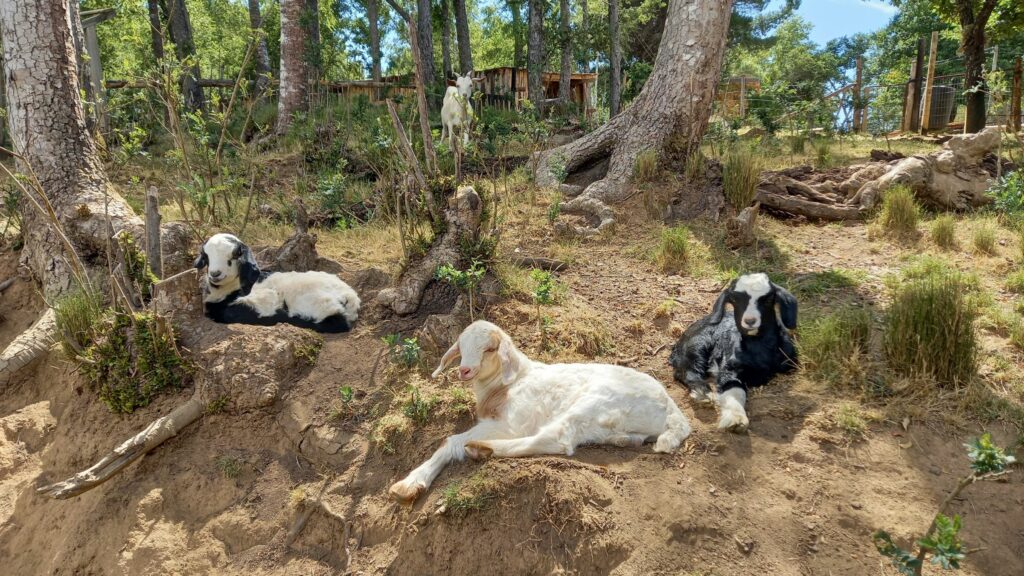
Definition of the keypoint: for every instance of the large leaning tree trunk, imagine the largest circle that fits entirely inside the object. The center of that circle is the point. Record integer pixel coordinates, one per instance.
(462, 35)
(516, 8)
(615, 55)
(446, 39)
(261, 64)
(669, 115)
(294, 94)
(180, 26)
(972, 43)
(425, 37)
(535, 56)
(314, 55)
(565, 77)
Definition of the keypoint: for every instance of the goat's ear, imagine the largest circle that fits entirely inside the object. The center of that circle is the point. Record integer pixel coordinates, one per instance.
(248, 269)
(718, 310)
(447, 359)
(785, 307)
(509, 360)
(202, 261)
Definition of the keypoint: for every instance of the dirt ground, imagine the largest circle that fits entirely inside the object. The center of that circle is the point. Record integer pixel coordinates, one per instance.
(795, 496)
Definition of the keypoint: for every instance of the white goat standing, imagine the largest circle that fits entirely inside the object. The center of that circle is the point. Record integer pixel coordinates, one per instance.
(456, 110)
(527, 408)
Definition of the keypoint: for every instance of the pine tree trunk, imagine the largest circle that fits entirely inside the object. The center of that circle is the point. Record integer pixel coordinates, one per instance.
(294, 96)
(585, 33)
(462, 32)
(672, 109)
(261, 65)
(425, 35)
(615, 79)
(181, 34)
(373, 14)
(565, 79)
(314, 57)
(972, 43)
(516, 8)
(156, 28)
(82, 60)
(446, 40)
(535, 54)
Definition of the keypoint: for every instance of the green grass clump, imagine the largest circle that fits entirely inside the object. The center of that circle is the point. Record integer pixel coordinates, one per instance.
(695, 166)
(943, 232)
(984, 237)
(133, 359)
(930, 329)
(674, 250)
(461, 497)
(741, 171)
(822, 153)
(830, 344)
(818, 283)
(76, 314)
(645, 168)
(417, 408)
(900, 212)
(1015, 282)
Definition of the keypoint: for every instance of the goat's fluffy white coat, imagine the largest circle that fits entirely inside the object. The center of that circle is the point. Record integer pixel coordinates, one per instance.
(456, 109)
(311, 295)
(547, 409)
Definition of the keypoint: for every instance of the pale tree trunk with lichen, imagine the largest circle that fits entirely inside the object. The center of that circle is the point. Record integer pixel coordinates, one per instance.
(293, 97)
(670, 113)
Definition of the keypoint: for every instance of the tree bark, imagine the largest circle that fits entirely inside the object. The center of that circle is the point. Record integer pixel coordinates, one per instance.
(585, 33)
(669, 115)
(565, 79)
(615, 79)
(972, 43)
(294, 91)
(462, 32)
(261, 64)
(516, 7)
(313, 55)
(535, 53)
(373, 14)
(156, 28)
(185, 48)
(82, 59)
(446, 40)
(425, 35)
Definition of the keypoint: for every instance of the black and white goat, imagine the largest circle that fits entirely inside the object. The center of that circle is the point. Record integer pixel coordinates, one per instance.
(744, 349)
(238, 292)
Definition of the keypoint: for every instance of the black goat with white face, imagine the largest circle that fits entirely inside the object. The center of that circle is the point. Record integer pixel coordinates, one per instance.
(744, 342)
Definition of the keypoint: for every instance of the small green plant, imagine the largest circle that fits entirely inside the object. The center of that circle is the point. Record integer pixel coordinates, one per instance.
(900, 212)
(558, 168)
(674, 250)
(943, 232)
(645, 168)
(461, 497)
(741, 172)
(930, 328)
(405, 352)
(417, 408)
(830, 345)
(76, 314)
(984, 237)
(1008, 195)
(465, 280)
(822, 153)
(942, 539)
(555, 208)
(543, 294)
(229, 467)
(217, 406)
(460, 401)
(1015, 282)
(309, 350)
(344, 409)
(851, 421)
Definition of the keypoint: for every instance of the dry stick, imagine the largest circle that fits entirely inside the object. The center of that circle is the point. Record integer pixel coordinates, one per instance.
(231, 102)
(421, 102)
(6, 284)
(153, 248)
(407, 151)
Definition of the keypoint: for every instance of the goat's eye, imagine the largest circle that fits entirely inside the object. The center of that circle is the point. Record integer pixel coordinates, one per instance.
(491, 349)
(230, 262)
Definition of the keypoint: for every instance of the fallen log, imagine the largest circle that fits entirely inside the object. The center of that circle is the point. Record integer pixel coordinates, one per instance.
(541, 263)
(812, 210)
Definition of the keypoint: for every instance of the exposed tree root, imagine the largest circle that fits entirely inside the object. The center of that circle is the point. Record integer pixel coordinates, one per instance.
(28, 346)
(158, 432)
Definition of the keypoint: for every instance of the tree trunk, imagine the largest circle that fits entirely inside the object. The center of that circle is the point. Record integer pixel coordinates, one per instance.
(565, 79)
(156, 29)
(615, 79)
(462, 32)
(517, 32)
(673, 108)
(261, 65)
(535, 54)
(585, 33)
(425, 35)
(294, 92)
(373, 14)
(82, 60)
(314, 56)
(972, 43)
(185, 48)
(446, 40)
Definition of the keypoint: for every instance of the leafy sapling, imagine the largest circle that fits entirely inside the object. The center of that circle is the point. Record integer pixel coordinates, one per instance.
(465, 280)
(942, 540)
(404, 352)
(543, 294)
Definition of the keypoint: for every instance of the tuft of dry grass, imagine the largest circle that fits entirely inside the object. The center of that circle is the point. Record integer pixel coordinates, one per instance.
(645, 168)
(984, 236)
(900, 212)
(674, 250)
(741, 171)
(665, 309)
(582, 331)
(833, 348)
(1015, 282)
(390, 430)
(943, 232)
(461, 497)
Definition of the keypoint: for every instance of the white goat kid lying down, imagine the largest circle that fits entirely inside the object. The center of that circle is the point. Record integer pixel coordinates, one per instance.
(526, 408)
(456, 109)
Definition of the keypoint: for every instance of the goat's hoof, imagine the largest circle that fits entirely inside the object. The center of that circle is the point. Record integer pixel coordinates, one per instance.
(701, 398)
(405, 493)
(734, 422)
(478, 450)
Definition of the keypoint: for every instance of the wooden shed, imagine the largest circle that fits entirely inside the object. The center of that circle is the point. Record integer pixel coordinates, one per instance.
(507, 86)
(732, 97)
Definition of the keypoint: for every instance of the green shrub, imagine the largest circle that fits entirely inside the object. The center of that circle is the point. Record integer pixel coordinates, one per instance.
(1015, 282)
(900, 212)
(944, 232)
(76, 314)
(417, 408)
(822, 153)
(133, 359)
(555, 208)
(646, 167)
(674, 250)
(930, 329)
(741, 171)
(403, 352)
(829, 344)
(1008, 195)
(984, 237)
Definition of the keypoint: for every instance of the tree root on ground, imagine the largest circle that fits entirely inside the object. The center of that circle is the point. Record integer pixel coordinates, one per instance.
(28, 346)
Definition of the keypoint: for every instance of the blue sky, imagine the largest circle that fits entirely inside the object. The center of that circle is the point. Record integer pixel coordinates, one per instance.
(836, 18)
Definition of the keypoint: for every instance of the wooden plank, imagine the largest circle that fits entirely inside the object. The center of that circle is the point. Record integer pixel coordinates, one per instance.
(910, 94)
(915, 110)
(929, 83)
(153, 254)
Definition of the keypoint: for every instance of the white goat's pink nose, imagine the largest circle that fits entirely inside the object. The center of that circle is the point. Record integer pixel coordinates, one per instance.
(464, 372)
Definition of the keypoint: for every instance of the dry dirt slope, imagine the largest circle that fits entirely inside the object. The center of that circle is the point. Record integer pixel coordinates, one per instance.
(789, 498)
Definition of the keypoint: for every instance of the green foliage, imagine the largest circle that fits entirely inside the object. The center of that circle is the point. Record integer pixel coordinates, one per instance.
(76, 313)
(137, 266)
(555, 208)
(405, 352)
(741, 171)
(944, 545)
(217, 406)
(831, 345)
(1015, 282)
(229, 467)
(674, 250)
(944, 232)
(986, 457)
(822, 153)
(900, 212)
(544, 286)
(417, 408)
(696, 166)
(558, 168)
(930, 328)
(132, 359)
(904, 561)
(465, 280)
(1008, 195)
(309, 350)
